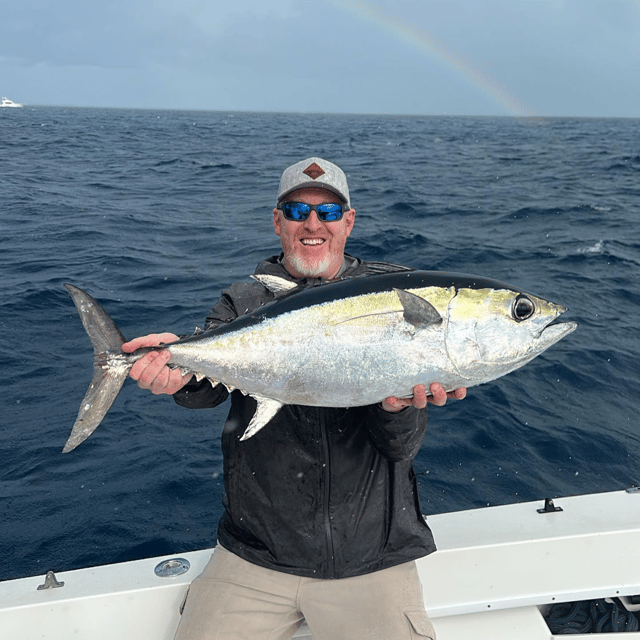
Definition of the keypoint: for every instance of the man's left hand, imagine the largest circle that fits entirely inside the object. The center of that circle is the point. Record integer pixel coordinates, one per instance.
(437, 395)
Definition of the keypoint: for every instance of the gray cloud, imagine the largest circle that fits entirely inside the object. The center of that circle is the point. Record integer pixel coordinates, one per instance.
(559, 57)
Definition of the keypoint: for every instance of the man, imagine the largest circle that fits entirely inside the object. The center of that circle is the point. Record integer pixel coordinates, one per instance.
(321, 520)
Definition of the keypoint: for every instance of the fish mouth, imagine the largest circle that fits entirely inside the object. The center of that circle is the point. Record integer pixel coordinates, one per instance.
(556, 331)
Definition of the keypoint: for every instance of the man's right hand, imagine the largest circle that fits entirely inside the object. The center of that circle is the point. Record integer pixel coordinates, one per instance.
(151, 371)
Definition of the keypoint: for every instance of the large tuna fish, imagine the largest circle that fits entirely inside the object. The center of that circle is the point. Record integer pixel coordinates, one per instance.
(349, 343)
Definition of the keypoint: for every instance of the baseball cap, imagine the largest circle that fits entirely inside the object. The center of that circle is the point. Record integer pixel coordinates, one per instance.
(314, 172)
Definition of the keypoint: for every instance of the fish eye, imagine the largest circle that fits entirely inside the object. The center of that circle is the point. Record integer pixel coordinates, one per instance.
(523, 308)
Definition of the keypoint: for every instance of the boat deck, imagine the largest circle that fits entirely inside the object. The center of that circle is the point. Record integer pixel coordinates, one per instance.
(495, 572)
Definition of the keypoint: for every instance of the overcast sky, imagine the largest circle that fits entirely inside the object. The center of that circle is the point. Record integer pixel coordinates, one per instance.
(471, 57)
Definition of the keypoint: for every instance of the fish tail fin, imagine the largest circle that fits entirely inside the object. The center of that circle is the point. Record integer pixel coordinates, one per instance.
(110, 366)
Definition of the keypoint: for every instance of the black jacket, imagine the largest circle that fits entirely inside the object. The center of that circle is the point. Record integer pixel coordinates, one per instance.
(318, 492)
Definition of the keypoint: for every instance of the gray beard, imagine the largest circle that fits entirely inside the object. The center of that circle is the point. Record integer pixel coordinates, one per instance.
(309, 269)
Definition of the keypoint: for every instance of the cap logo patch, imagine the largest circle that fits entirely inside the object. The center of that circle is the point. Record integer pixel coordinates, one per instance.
(314, 171)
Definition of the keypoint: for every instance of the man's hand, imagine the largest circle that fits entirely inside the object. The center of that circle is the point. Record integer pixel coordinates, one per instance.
(438, 396)
(151, 371)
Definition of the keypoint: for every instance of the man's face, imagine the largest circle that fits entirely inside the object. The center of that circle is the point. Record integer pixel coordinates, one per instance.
(312, 248)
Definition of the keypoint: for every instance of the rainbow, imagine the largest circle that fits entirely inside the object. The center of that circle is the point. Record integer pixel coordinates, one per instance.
(409, 33)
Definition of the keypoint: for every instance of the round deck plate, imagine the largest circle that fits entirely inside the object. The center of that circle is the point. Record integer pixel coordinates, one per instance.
(171, 568)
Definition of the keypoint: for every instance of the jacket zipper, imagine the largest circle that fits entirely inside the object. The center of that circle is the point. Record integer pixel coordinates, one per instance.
(331, 566)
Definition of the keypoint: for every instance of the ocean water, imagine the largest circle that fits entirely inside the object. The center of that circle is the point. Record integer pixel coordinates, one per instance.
(154, 212)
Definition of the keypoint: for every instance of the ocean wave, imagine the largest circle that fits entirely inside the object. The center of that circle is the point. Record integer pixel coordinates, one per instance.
(175, 206)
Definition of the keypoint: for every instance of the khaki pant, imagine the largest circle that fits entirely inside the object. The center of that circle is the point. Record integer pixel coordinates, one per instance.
(234, 600)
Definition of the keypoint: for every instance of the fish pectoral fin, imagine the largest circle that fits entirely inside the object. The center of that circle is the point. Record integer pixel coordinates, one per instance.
(266, 409)
(418, 311)
(275, 284)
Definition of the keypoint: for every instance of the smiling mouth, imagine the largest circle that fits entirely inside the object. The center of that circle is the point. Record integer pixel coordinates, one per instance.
(312, 241)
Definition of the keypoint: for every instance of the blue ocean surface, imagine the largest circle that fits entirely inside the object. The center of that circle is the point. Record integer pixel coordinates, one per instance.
(154, 212)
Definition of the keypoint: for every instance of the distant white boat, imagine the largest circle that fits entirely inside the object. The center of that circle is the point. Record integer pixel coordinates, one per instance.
(9, 103)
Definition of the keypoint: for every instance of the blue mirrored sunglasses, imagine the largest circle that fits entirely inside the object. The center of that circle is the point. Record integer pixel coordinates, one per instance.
(328, 212)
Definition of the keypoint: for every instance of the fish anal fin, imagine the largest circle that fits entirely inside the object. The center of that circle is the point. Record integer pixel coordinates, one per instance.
(266, 409)
(417, 311)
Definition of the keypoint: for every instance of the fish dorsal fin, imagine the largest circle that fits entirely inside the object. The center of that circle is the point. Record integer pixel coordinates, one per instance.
(418, 311)
(275, 284)
(266, 409)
